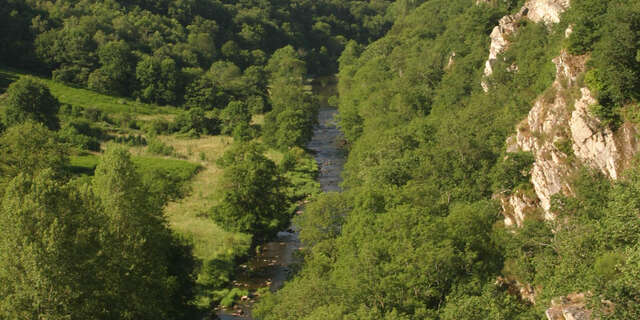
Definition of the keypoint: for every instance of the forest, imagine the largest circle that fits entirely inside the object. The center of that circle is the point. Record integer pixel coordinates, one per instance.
(149, 149)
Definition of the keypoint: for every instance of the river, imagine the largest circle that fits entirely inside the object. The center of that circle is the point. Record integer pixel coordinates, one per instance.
(272, 266)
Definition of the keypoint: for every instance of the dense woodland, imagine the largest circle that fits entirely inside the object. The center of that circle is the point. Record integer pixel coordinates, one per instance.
(416, 233)
(89, 178)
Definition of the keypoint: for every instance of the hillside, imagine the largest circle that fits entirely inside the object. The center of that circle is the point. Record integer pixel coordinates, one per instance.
(153, 155)
(491, 169)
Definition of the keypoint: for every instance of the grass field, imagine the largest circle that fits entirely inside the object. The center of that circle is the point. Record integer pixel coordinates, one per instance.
(191, 175)
(87, 98)
(189, 216)
(182, 169)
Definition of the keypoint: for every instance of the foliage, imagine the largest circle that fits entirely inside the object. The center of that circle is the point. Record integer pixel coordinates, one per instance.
(159, 276)
(235, 115)
(157, 147)
(513, 170)
(608, 30)
(323, 218)
(301, 170)
(151, 50)
(89, 104)
(81, 134)
(28, 99)
(49, 240)
(290, 122)
(29, 148)
(194, 121)
(71, 250)
(414, 235)
(159, 80)
(252, 199)
(114, 77)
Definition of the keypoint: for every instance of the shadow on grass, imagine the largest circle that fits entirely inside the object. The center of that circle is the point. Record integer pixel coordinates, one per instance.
(5, 80)
(82, 171)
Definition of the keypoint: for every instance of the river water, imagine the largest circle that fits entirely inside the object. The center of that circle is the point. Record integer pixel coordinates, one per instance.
(272, 266)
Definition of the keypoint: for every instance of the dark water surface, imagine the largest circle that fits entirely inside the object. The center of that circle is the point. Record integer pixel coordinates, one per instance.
(272, 266)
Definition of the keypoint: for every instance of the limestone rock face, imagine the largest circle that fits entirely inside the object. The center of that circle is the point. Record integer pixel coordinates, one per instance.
(598, 146)
(499, 43)
(516, 206)
(592, 143)
(561, 133)
(571, 307)
(547, 11)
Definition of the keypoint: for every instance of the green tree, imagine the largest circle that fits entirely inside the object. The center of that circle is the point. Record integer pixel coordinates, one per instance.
(323, 218)
(217, 87)
(48, 247)
(142, 273)
(29, 148)
(291, 121)
(252, 198)
(234, 115)
(196, 122)
(29, 99)
(159, 80)
(116, 73)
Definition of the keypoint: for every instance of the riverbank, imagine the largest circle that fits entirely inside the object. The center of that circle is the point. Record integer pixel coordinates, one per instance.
(277, 260)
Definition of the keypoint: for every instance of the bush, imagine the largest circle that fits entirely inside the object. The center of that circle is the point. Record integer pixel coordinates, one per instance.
(158, 147)
(30, 99)
(233, 295)
(157, 126)
(197, 121)
(235, 114)
(217, 273)
(71, 135)
(511, 171)
(131, 140)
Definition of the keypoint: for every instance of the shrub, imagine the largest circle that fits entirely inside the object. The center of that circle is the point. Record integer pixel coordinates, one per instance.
(511, 171)
(197, 121)
(158, 147)
(157, 126)
(71, 135)
(131, 140)
(29, 99)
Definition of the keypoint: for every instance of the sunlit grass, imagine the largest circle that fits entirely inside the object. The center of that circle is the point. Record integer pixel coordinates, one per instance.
(89, 99)
(189, 216)
(185, 170)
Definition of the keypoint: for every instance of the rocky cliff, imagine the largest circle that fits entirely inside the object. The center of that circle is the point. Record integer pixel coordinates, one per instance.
(562, 134)
(547, 11)
(559, 131)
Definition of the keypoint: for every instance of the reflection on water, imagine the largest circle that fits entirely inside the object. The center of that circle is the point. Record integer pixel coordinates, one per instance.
(272, 267)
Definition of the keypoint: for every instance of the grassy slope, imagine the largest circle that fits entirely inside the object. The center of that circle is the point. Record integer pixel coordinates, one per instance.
(87, 98)
(86, 164)
(189, 216)
(194, 159)
(186, 216)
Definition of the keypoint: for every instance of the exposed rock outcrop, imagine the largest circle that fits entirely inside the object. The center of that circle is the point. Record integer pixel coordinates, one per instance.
(571, 307)
(517, 206)
(561, 132)
(451, 61)
(524, 291)
(598, 146)
(547, 11)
